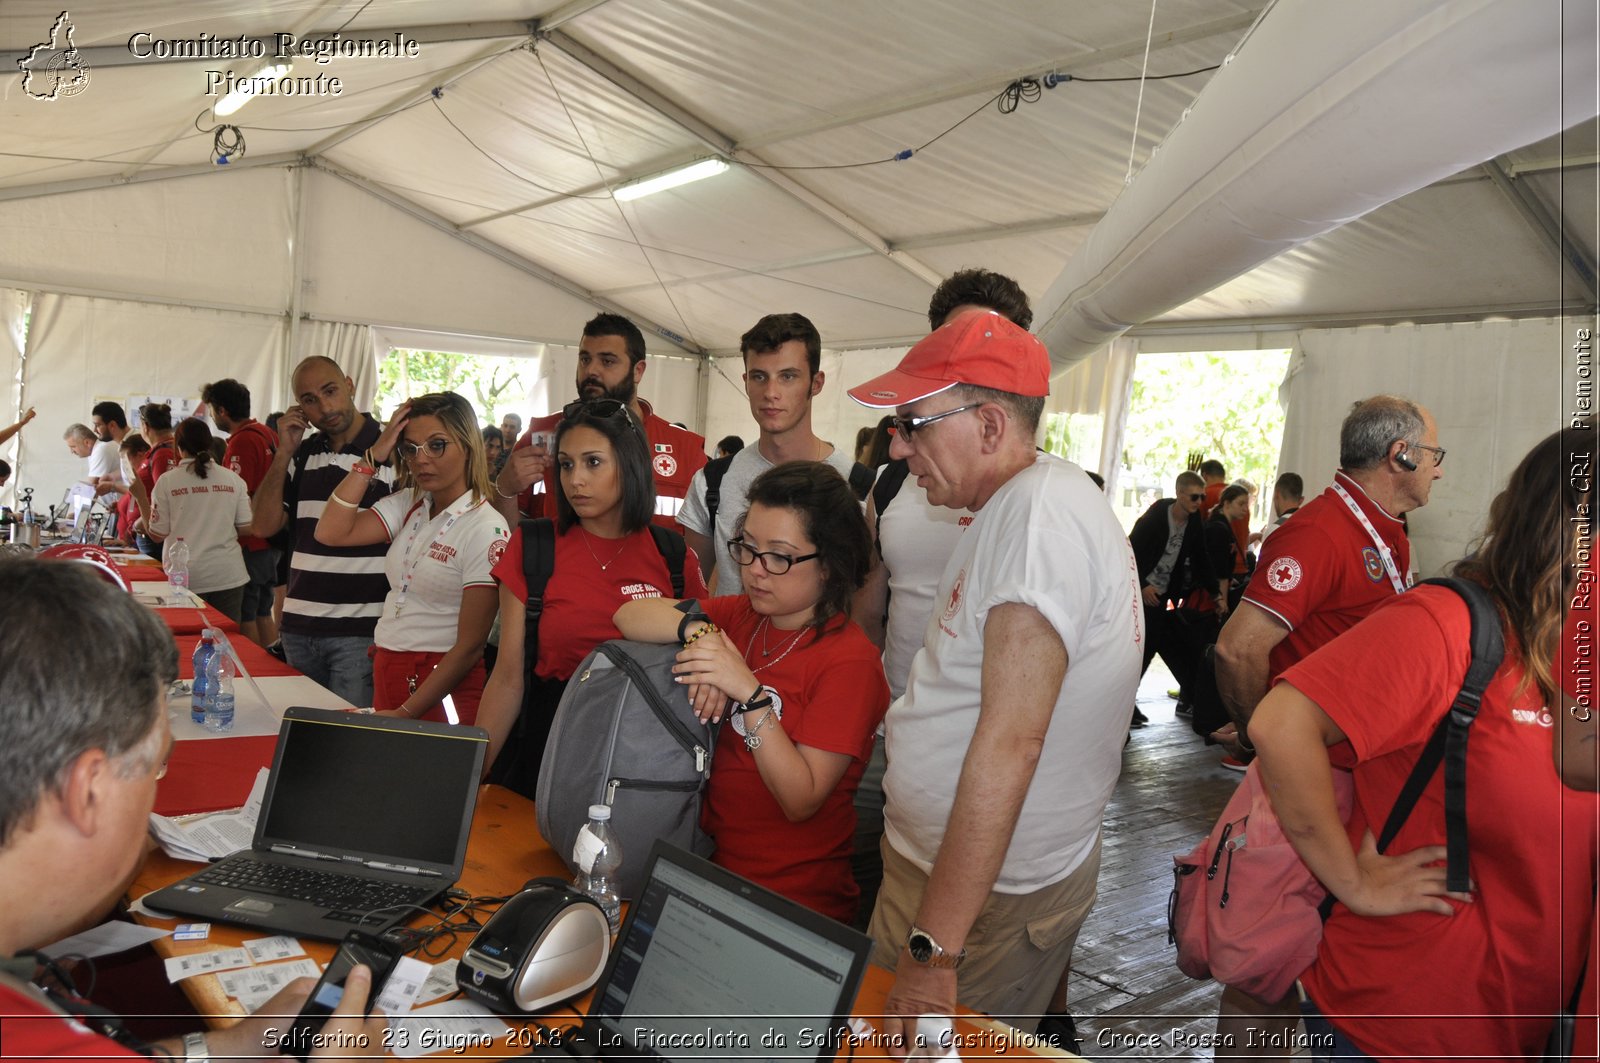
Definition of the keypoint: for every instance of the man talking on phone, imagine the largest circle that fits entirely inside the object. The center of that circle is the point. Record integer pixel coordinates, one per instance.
(83, 741)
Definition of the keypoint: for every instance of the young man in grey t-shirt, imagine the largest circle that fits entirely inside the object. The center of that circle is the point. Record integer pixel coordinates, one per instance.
(782, 373)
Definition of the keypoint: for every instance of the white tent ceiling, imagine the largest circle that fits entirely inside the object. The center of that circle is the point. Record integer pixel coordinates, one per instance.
(541, 105)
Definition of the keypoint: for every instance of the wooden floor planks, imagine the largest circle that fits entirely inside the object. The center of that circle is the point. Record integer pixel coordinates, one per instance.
(1127, 994)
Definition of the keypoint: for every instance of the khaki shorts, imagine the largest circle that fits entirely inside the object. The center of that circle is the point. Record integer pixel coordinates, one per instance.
(1017, 949)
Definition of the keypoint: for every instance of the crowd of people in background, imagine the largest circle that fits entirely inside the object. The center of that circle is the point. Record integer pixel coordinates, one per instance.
(922, 650)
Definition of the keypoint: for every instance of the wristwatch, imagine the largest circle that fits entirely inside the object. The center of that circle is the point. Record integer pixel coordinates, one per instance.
(927, 952)
(195, 1049)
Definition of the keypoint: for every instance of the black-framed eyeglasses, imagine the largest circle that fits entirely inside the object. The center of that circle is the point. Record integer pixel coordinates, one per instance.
(435, 448)
(905, 427)
(777, 564)
(1437, 452)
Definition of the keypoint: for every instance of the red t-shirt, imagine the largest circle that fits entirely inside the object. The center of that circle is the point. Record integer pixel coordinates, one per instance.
(161, 457)
(1320, 573)
(1515, 949)
(31, 1030)
(581, 598)
(250, 450)
(676, 454)
(1213, 496)
(127, 515)
(832, 695)
(1579, 657)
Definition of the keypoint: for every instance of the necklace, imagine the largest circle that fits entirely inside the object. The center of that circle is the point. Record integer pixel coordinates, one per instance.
(765, 652)
(596, 557)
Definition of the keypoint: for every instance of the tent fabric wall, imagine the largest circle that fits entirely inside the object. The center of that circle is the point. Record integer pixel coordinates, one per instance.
(348, 344)
(82, 350)
(1102, 384)
(1493, 387)
(14, 306)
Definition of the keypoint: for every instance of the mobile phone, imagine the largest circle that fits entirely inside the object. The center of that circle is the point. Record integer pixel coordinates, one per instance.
(356, 948)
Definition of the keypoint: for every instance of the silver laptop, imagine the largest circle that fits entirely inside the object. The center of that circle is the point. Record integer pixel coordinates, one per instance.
(364, 824)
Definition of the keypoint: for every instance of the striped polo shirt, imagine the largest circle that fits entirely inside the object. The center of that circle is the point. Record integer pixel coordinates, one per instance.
(333, 591)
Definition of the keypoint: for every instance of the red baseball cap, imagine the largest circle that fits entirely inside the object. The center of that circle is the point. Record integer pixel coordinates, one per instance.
(980, 348)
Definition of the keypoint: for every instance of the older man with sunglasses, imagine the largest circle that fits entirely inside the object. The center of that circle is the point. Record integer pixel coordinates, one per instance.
(1029, 662)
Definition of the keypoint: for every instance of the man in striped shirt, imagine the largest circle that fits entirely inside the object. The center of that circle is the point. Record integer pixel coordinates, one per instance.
(335, 593)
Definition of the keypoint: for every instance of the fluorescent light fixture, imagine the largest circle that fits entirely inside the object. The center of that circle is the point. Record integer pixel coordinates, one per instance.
(695, 171)
(236, 99)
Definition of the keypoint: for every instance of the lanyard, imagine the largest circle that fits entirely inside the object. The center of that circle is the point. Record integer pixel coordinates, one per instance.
(410, 564)
(1377, 540)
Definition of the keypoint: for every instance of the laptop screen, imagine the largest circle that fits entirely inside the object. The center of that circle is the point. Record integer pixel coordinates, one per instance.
(400, 791)
(702, 943)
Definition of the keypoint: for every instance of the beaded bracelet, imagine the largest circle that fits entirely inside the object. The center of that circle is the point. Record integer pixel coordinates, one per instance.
(707, 629)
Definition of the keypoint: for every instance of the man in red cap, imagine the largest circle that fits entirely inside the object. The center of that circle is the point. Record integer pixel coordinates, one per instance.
(1032, 657)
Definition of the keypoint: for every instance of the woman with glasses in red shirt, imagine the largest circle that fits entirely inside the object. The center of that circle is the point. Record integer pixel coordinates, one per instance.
(795, 683)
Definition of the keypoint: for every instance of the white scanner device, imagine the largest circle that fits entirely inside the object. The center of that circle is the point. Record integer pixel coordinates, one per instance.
(545, 945)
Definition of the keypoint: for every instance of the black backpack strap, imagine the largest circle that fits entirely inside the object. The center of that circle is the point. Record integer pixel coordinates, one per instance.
(715, 470)
(673, 549)
(1449, 740)
(538, 562)
(883, 492)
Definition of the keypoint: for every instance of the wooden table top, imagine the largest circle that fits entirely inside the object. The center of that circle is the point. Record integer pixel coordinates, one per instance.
(504, 850)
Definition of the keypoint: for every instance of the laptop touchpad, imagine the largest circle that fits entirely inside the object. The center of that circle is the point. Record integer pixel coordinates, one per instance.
(251, 905)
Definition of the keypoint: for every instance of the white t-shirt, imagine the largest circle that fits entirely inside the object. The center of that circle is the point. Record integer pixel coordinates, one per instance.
(742, 472)
(106, 460)
(1048, 539)
(917, 538)
(206, 514)
(430, 562)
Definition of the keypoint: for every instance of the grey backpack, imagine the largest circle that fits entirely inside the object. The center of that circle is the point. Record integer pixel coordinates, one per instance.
(625, 736)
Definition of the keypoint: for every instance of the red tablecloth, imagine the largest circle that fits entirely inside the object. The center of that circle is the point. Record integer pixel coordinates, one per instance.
(142, 573)
(189, 622)
(203, 776)
(257, 661)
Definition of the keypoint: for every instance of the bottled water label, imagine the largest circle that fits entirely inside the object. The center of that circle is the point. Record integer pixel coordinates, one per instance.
(219, 713)
(585, 850)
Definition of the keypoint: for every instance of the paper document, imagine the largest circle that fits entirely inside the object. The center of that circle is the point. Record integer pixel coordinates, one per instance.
(212, 836)
(401, 988)
(451, 1027)
(254, 986)
(441, 982)
(104, 940)
(181, 967)
(278, 947)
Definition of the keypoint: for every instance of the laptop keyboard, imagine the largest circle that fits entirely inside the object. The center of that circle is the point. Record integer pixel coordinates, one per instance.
(344, 894)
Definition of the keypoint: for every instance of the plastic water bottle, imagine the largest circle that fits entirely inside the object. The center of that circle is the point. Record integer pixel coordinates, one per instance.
(175, 559)
(598, 856)
(204, 652)
(219, 692)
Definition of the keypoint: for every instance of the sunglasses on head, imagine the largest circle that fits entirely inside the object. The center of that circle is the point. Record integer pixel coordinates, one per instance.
(592, 408)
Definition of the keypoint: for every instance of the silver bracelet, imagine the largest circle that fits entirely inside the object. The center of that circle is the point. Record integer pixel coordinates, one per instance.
(752, 741)
(501, 493)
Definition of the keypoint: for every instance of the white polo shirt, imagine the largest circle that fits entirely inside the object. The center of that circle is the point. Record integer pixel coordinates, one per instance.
(206, 515)
(431, 561)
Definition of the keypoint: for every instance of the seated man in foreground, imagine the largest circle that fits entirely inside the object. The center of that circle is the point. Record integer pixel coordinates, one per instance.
(83, 741)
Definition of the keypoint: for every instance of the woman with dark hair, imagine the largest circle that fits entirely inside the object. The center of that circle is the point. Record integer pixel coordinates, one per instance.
(796, 679)
(1499, 961)
(494, 449)
(443, 537)
(1222, 545)
(155, 420)
(206, 506)
(605, 554)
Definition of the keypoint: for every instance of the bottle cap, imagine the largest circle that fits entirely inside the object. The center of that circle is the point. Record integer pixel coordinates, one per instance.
(600, 812)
